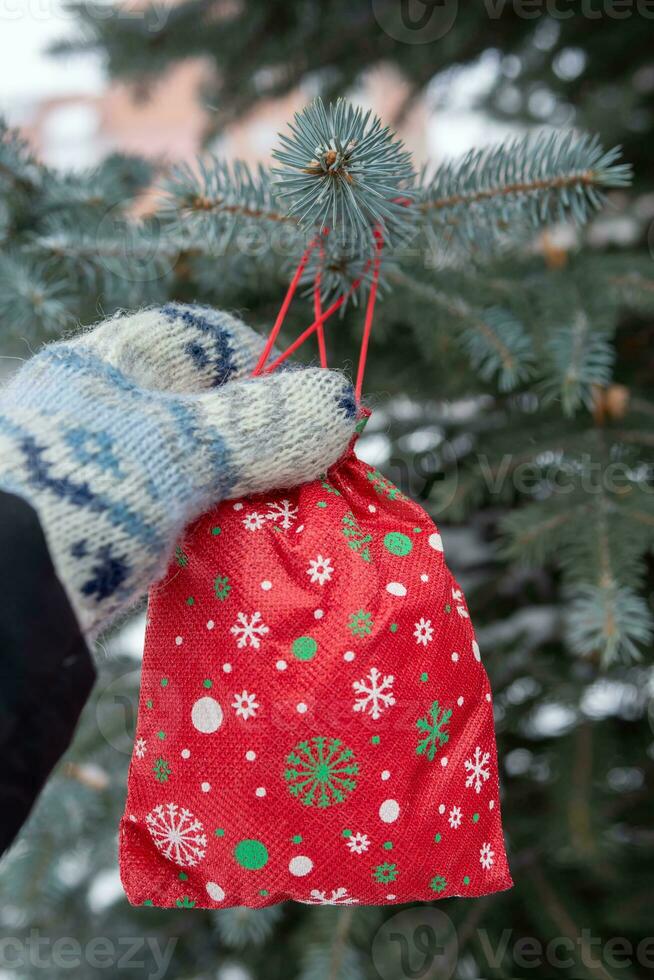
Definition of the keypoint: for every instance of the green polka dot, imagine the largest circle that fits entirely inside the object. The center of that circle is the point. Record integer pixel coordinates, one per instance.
(183, 876)
(475, 817)
(347, 833)
(437, 838)
(215, 530)
(190, 601)
(388, 845)
(263, 892)
(375, 740)
(448, 608)
(466, 880)
(161, 735)
(397, 543)
(297, 838)
(148, 901)
(219, 832)
(424, 676)
(149, 703)
(304, 648)
(417, 530)
(164, 682)
(393, 627)
(207, 683)
(321, 503)
(251, 854)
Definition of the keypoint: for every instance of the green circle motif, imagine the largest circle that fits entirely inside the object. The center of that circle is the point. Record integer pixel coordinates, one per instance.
(397, 543)
(251, 854)
(304, 648)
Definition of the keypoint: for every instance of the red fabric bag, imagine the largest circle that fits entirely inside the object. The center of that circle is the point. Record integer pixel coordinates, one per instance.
(315, 722)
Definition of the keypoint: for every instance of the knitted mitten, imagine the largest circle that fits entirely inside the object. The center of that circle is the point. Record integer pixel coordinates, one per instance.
(121, 436)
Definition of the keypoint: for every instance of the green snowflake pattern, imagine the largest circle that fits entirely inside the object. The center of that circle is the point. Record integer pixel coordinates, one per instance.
(320, 771)
(181, 557)
(385, 873)
(383, 486)
(221, 587)
(161, 770)
(438, 884)
(329, 488)
(185, 903)
(434, 729)
(360, 623)
(356, 539)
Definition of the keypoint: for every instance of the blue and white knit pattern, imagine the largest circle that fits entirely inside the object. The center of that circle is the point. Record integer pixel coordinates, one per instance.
(122, 435)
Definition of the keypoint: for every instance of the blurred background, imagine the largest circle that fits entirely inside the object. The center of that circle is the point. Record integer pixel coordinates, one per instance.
(110, 97)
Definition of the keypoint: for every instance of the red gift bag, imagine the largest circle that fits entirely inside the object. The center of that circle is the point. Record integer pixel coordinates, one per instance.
(315, 722)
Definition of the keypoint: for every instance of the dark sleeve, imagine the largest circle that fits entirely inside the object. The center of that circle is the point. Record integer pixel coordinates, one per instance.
(46, 671)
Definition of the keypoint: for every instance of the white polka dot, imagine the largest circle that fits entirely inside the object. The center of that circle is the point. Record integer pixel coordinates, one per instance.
(300, 529)
(206, 715)
(459, 701)
(179, 640)
(250, 755)
(435, 541)
(488, 697)
(301, 708)
(266, 585)
(185, 753)
(300, 866)
(391, 898)
(424, 577)
(238, 506)
(385, 775)
(349, 656)
(205, 787)
(475, 650)
(441, 808)
(133, 818)
(227, 668)
(396, 588)
(444, 761)
(281, 665)
(210, 624)
(372, 508)
(215, 892)
(389, 811)
(455, 657)
(318, 613)
(260, 791)
(491, 804)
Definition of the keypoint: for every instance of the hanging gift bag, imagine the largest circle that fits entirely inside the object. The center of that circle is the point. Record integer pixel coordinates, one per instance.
(315, 722)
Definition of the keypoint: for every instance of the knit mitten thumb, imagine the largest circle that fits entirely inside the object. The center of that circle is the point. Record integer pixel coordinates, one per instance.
(120, 437)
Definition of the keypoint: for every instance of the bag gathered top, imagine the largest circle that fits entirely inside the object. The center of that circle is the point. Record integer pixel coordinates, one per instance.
(315, 722)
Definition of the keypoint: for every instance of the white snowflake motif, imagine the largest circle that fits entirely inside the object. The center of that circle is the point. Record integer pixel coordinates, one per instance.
(374, 696)
(424, 631)
(459, 602)
(177, 833)
(245, 705)
(249, 629)
(254, 521)
(486, 856)
(140, 746)
(478, 769)
(338, 896)
(358, 843)
(455, 817)
(282, 511)
(320, 569)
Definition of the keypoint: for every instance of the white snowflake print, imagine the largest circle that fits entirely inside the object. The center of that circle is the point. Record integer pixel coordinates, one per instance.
(320, 569)
(486, 856)
(283, 513)
(249, 629)
(245, 705)
(375, 693)
(140, 746)
(338, 896)
(177, 833)
(478, 769)
(254, 521)
(358, 843)
(455, 817)
(424, 631)
(459, 602)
